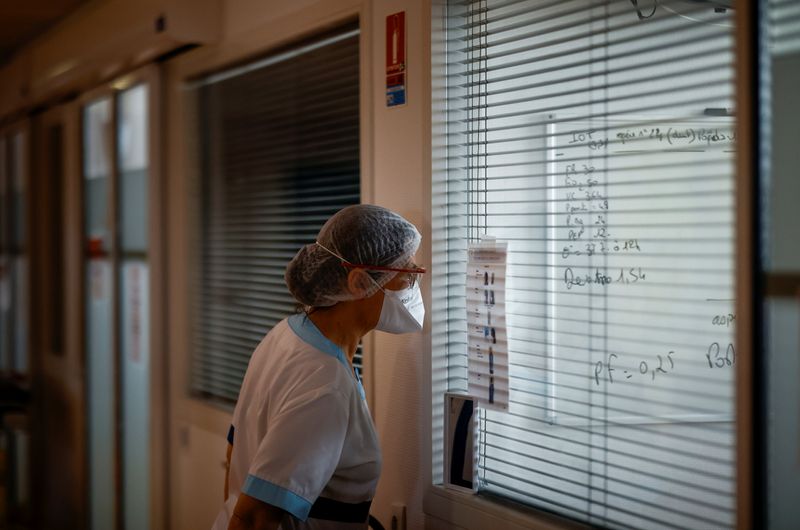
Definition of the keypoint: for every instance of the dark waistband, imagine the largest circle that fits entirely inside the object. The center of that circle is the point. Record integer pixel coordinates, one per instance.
(343, 512)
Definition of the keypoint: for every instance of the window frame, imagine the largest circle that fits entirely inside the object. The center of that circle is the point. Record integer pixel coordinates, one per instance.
(230, 314)
(187, 410)
(473, 512)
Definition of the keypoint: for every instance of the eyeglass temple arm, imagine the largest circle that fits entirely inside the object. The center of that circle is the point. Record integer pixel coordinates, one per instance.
(419, 270)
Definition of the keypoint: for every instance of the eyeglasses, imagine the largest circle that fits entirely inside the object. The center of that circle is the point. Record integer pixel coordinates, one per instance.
(410, 274)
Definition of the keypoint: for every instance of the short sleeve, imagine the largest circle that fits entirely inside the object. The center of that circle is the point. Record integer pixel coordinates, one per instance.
(300, 451)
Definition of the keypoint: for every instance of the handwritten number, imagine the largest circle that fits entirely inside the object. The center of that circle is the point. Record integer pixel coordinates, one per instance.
(660, 365)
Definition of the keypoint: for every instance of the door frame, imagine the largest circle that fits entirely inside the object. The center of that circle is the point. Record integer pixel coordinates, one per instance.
(24, 380)
(158, 327)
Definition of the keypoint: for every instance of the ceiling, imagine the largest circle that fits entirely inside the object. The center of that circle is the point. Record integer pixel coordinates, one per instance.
(22, 21)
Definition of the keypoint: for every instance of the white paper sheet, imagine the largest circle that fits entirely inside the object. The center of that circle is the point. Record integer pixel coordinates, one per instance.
(486, 324)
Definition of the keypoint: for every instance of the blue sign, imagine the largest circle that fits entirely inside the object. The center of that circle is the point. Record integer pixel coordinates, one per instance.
(395, 95)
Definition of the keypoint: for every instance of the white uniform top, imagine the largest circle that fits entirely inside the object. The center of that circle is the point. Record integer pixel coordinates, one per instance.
(302, 435)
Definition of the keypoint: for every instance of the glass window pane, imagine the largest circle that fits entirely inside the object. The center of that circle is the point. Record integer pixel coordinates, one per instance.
(100, 372)
(275, 162)
(598, 143)
(20, 315)
(13, 291)
(99, 311)
(96, 171)
(135, 361)
(132, 152)
(5, 313)
(132, 133)
(5, 271)
(17, 178)
(3, 194)
(132, 148)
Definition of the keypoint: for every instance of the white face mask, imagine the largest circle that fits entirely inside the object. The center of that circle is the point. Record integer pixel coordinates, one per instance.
(402, 311)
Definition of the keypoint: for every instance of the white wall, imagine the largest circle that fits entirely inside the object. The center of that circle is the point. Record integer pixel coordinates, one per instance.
(402, 176)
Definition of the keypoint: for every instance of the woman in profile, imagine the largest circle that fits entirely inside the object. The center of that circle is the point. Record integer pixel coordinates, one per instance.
(302, 448)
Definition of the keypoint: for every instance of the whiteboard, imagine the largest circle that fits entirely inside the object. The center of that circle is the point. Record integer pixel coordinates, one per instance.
(641, 252)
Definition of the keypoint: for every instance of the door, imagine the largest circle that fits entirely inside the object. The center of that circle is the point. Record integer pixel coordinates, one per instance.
(60, 425)
(121, 303)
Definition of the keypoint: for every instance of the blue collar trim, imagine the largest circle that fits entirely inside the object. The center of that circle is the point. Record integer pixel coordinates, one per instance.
(309, 333)
(304, 328)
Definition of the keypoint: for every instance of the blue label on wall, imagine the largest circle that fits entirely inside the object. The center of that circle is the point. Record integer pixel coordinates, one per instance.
(395, 95)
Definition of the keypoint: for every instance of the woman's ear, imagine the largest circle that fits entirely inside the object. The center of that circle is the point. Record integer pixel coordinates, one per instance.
(358, 283)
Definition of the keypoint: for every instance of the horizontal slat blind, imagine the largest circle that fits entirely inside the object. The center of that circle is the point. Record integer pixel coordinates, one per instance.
(597, 138)
(278, 154)
(783, 26)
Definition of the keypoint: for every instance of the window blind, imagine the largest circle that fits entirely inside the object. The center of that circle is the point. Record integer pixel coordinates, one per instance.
(597, 138)
(278, 154)
(783, 26)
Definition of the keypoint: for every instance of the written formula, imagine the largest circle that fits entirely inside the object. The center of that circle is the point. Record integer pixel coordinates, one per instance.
(603, 277)
(598, 140)
(611, 371)
(678, 136)
(590, 249)
(724, 320)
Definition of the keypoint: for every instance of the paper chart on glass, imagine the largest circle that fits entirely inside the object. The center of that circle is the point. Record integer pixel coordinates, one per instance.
(487, 337)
